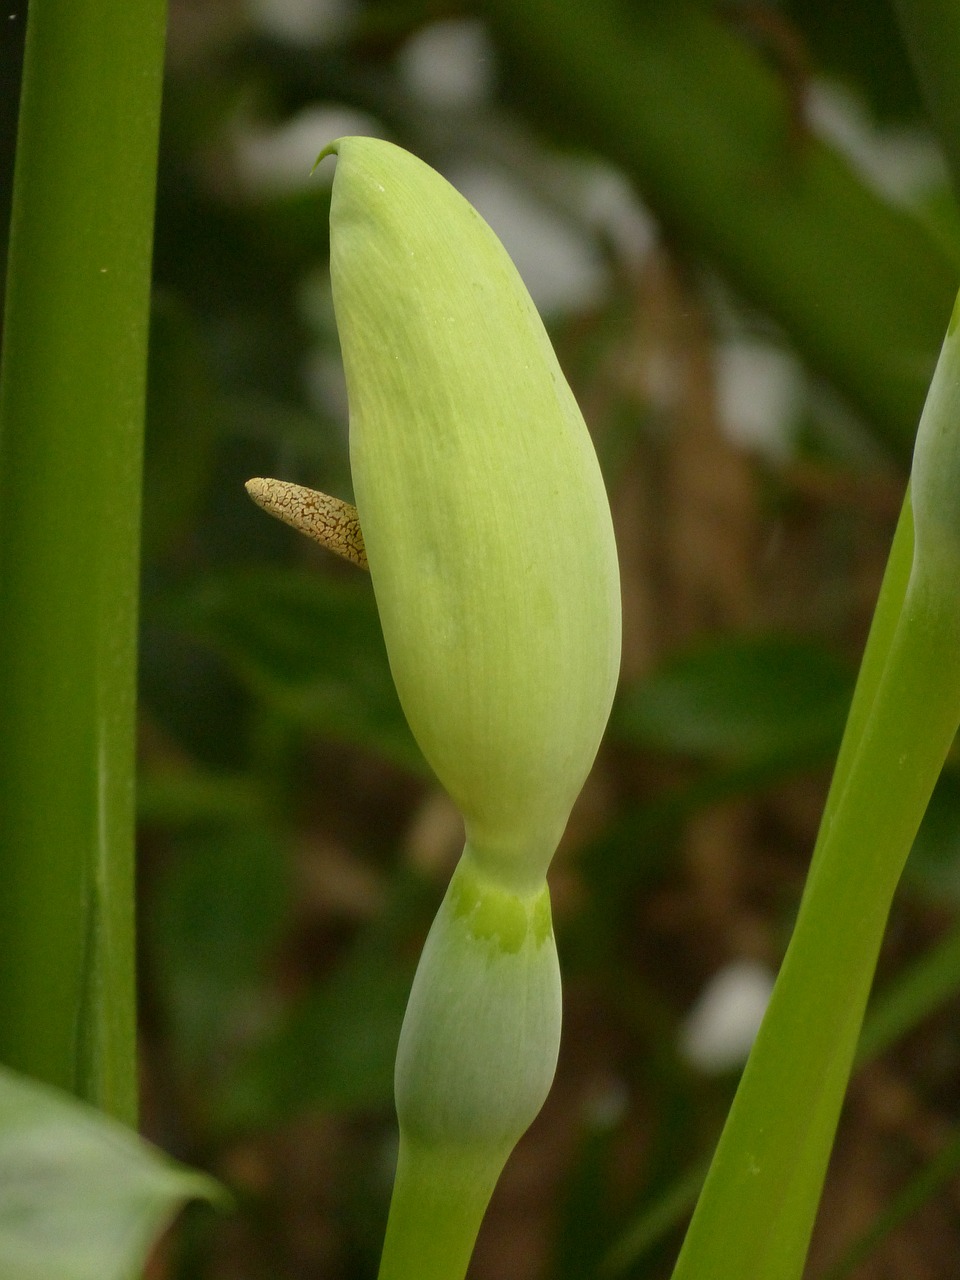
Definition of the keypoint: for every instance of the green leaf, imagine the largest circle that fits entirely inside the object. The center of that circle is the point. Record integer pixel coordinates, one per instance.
(186, 794)
(858, 44)
(310, 646)
(931, 30)
(707, 128)
(335, 1046)
(81, 1196)
(656, 1219)
(336, 1049)
(915, 993)
(183, 414)
(934, 865)
(923, 1186)
(740, 699)
(218, 915)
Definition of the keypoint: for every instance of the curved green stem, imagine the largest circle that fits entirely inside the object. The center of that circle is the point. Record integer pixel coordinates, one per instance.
(758, 1205)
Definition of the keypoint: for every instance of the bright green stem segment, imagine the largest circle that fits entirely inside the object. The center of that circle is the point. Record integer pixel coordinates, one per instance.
(439, 1199)
(71, 415)
(756, 1212)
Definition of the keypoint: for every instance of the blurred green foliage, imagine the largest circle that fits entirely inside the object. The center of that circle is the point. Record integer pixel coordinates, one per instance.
(293, 848)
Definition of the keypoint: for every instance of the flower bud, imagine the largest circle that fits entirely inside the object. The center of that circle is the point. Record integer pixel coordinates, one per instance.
(489, 542)
(484, 516)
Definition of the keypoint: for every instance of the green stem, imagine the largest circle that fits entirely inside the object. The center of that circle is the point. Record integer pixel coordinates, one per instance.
(883, 628)
(756, 1212)
(71, 415)
(476, 1059)
(439, 1199)
(926, 985)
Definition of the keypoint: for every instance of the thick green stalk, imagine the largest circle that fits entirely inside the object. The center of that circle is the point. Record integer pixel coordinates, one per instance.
(71, 415)
(439, 1199)
(757, 1208)
(716, 142)
(883, 630)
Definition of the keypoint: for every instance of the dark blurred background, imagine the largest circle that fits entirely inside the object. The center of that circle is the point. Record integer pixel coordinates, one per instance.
(293, 846)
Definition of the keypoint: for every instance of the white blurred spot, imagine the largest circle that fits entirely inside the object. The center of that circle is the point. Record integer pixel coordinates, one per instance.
(560, 265)
(610, 205)
(280, 159)
(903, 164)
(303, 21)
(723, 1023)
(449, 64)
(759, 395)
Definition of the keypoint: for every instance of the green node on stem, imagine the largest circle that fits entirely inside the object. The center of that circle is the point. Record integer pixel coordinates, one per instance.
(476, 1059)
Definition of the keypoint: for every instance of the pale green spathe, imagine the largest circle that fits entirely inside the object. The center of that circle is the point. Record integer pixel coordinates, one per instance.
(483, 511)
